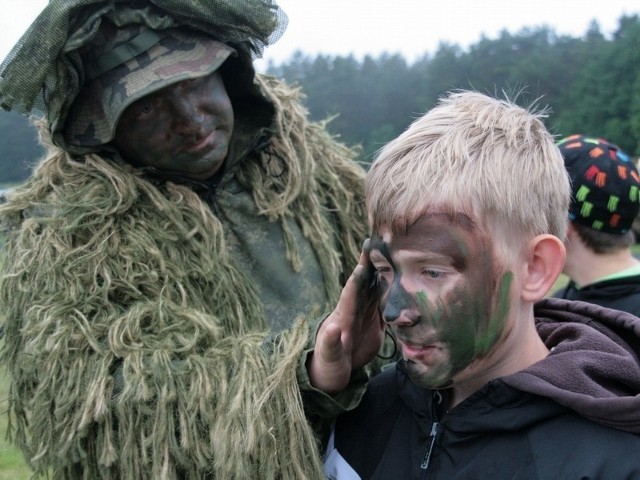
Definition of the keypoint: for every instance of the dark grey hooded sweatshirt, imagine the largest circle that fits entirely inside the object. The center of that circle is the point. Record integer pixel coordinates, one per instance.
(573, 415)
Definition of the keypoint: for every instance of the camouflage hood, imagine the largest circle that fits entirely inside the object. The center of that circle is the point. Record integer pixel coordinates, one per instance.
(46, 71)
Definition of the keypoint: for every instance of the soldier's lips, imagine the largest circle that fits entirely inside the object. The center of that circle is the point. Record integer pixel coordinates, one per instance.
(206, 144)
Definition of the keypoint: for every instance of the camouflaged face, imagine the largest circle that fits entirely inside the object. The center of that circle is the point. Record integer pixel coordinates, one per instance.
(44, 71)
(130, 63)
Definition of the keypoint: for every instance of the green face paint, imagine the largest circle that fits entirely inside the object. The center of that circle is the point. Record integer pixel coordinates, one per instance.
(443, 294)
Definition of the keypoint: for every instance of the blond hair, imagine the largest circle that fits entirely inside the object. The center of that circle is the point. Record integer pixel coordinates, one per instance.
(486, 157)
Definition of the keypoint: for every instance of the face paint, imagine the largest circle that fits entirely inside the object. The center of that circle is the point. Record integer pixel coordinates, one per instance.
(183, 129)
(398, 299)
(443, 294)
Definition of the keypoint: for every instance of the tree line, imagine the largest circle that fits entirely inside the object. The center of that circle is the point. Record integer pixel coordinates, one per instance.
(589, 85)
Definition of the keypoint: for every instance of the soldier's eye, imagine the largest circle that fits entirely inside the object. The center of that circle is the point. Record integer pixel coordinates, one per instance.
(143, 109)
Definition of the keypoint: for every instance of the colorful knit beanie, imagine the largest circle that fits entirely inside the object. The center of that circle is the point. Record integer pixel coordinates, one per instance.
(605, 184)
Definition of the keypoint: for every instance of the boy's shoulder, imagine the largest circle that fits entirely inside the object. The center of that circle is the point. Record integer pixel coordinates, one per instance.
(389, 395)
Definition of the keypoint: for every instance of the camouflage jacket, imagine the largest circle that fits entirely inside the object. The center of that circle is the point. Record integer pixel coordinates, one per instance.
(152, 332)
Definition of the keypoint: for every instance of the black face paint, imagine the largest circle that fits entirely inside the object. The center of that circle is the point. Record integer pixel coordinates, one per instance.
(398, 298)
(369, 290)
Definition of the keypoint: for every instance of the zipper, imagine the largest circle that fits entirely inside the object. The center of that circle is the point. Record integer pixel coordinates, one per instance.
(427, 456)
(436, 400)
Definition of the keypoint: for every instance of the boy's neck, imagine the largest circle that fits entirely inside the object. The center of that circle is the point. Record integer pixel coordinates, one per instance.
(584, 266)
(521, 348)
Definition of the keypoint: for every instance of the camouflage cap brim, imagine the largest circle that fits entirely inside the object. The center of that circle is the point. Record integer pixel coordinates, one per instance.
(176, 55)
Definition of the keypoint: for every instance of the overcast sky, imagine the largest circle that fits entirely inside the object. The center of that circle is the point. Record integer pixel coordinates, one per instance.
(411, 27)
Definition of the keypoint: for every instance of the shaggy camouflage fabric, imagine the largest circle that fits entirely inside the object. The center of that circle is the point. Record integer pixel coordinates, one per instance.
(136, 347)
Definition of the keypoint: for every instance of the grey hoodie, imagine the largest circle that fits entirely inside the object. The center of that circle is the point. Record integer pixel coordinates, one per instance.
(594, 366)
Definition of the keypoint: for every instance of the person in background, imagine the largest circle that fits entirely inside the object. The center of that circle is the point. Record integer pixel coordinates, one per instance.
(468, 212)
(600, 264)
(168, 260)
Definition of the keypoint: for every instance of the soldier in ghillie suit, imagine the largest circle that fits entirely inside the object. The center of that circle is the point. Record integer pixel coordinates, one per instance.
(169, 258)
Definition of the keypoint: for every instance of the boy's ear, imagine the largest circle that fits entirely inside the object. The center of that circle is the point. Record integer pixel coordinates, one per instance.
(544, 264)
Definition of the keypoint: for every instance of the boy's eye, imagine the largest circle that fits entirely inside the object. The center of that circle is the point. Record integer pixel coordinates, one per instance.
(433, 273)
(383, 274)
(381, 270)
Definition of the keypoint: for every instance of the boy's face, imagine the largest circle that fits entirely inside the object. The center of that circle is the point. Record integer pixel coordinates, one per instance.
(443, 294)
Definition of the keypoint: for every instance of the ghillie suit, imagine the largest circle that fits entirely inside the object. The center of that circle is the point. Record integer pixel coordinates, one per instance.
(144, 337)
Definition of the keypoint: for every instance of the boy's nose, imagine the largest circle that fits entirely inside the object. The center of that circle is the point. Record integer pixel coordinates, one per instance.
(397, 301)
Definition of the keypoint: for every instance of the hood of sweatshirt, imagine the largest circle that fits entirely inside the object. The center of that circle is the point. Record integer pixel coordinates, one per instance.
(619, 293)
(593, 366)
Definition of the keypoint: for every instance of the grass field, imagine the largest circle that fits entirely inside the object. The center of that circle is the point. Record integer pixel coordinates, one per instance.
(12, 465)
(560, 282)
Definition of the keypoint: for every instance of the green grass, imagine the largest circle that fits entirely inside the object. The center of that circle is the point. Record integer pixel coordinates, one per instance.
(12, 464)
(560, 282)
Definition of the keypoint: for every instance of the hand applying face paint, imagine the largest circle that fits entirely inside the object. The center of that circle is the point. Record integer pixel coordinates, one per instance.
(352, 335)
